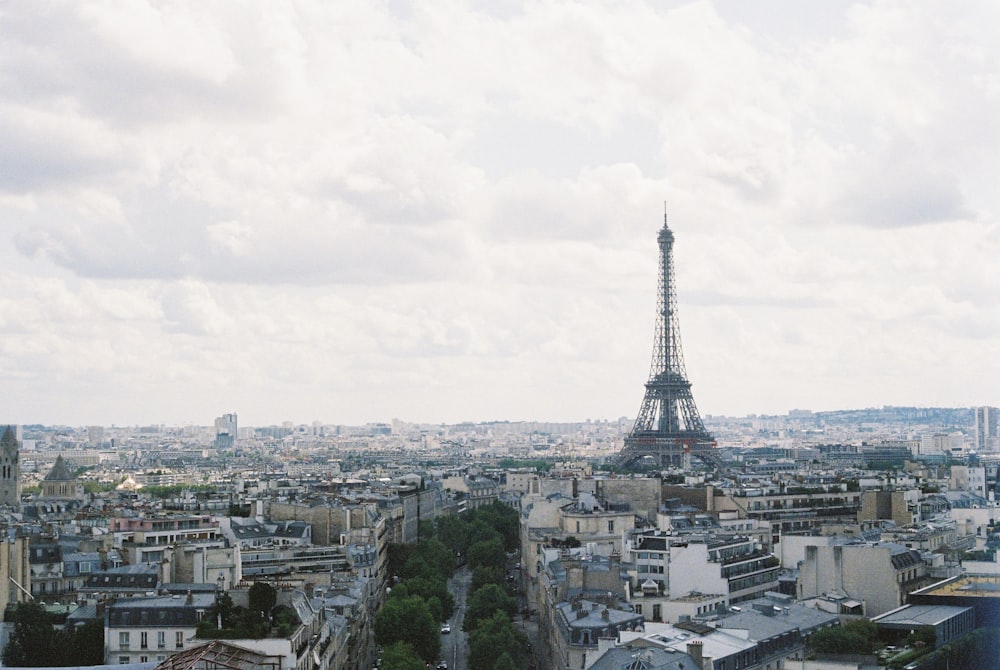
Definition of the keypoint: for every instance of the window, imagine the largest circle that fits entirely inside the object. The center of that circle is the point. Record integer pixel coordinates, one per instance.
(123, 659)
(143, 640)
(611, 526)
(123, 640)
(180, 639)
(161, 639)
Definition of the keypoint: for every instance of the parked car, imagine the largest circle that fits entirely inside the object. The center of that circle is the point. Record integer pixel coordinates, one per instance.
(446, 628)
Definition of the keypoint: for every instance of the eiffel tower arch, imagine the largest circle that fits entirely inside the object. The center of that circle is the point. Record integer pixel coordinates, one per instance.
(668, 430)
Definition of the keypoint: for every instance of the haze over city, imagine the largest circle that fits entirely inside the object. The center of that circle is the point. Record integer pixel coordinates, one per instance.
(449, 212)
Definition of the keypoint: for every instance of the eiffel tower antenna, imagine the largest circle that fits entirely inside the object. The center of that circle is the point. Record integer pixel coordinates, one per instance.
(668, 428)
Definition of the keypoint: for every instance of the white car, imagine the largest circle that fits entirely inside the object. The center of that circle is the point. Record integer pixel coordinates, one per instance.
(446, 628)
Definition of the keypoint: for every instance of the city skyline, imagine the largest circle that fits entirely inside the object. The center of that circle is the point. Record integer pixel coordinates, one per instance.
(350, 214)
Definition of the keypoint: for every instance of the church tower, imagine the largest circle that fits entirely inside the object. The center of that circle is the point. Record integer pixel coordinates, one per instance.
(10, 470)
(60, 484)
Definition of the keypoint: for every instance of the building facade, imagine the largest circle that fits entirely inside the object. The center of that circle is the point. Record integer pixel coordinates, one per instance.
(10, 469)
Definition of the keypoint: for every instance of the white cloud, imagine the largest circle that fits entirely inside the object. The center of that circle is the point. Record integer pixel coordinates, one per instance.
(449, 211)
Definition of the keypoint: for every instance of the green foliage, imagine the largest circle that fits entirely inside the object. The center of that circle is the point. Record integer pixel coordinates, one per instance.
(236, 509)
(506, 662)
(486, 574)
(425, 529)
(437, 610)
(399, 554)
(493, 634)
(488, 554)
(482, 536)
(262, 597)
(91, 486)
(976, 651)
(854, 637)
(452, 531)
(32, 643)
(408, 619)
(485, 602)
(503, 520)
(430, 558)
(85, 645)
(35, 642)
(401, 656)
(244, 623)
(427, 588)
(924, 636)
(516, 464)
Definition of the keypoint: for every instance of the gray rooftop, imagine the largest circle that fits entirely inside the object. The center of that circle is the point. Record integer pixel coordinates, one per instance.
(920, 615)
(765, 618)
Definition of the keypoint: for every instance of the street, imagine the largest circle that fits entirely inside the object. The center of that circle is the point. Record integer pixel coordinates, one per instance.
(454, 647)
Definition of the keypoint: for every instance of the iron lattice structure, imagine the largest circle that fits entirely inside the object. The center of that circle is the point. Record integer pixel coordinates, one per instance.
(668, 428)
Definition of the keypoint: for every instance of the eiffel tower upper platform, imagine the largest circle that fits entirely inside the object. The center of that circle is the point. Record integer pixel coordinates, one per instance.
(668, 430)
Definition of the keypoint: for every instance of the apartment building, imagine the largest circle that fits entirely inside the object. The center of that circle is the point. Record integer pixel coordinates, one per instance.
(149, 629)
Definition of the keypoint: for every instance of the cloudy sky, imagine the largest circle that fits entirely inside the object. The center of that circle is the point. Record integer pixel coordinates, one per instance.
(447, 211)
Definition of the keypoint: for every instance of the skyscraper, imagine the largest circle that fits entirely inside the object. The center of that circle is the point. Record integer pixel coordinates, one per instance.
(225, 431)
(987, 438)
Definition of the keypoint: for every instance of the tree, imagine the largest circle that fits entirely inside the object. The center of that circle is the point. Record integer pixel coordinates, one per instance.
(427, 588)
(84, 645)
(494, 634)
(226, 621)
(488, 553)
(486, 574)
(506, 662)
(485, 602)
(453, 532)
(854, 637)
(429, 558)
(33, 642)
(262, 597)
(401, 656)
(504, 520)
(408, 619)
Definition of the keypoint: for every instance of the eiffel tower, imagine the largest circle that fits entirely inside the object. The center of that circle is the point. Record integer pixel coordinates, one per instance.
(669, 429)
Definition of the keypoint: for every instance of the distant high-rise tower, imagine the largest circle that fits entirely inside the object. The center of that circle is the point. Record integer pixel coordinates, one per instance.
(10, 469)
(95, 435)
(668, 429)
(987, 437)
(225, 431)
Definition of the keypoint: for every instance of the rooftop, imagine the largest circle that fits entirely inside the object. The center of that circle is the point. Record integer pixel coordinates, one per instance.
(920, 615)
(983, 586)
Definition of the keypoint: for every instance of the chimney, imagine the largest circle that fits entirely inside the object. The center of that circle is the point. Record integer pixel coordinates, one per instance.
(695, 651)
